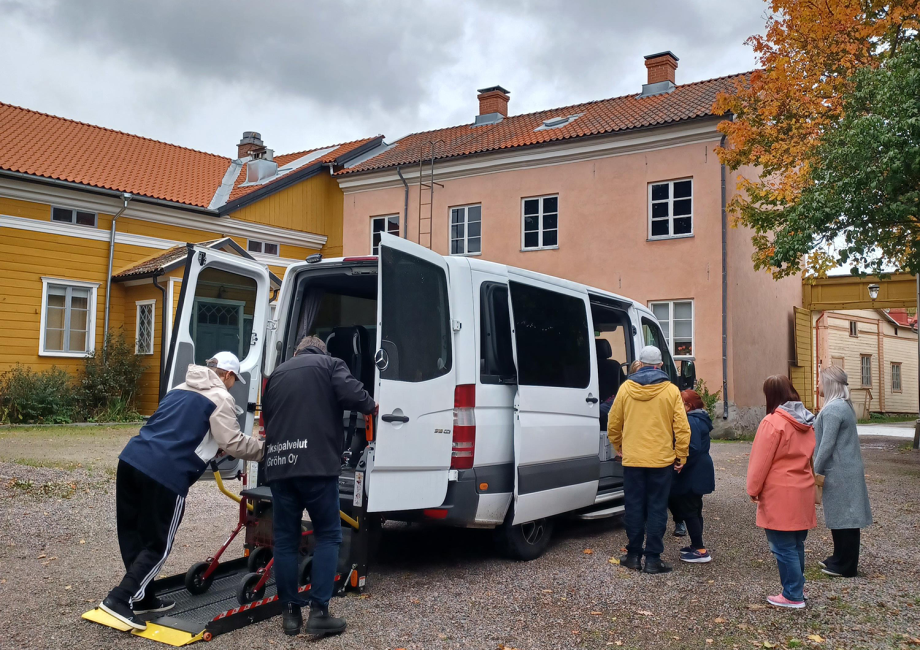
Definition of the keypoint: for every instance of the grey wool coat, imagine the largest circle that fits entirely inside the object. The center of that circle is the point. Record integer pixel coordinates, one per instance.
(838, 458)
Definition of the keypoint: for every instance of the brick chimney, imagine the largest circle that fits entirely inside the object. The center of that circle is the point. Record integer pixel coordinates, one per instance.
(661, 74)
(493, 104)
(250, 145)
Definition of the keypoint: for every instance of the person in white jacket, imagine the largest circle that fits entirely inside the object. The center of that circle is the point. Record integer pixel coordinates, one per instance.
(192, 423)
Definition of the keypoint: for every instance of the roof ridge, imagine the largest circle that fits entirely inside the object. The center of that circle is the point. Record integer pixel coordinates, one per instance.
(570, 106)
(110, 130)
(330, 146)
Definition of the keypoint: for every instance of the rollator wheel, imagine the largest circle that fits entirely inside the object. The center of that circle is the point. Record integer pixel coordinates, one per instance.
(258, 558)
(194, 582)
(246, 591)
(303, 572)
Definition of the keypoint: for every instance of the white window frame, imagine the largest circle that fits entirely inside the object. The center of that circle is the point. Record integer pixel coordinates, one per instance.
(669, 337)
(865, 368)
(900, 378)
(540, 228)
(262, 244)
(90, 317)
(466, 230)
(385, 217)
(854, 329)
(73, 216)
(137, 325)
(670, 202)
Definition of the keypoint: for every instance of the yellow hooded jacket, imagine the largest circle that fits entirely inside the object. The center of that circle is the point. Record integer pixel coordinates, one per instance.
(648, 425)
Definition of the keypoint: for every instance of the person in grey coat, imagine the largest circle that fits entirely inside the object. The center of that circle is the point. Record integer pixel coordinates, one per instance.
(838, 458)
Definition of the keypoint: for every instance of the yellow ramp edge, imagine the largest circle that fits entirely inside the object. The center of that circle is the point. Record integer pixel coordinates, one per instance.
(154, 632)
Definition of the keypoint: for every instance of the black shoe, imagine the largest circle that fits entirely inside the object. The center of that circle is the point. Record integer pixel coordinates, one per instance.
(630, 561)
(656, 566)
(680, 529)
(152, 604)
(291, 620)
(123, 612)
(320, 623)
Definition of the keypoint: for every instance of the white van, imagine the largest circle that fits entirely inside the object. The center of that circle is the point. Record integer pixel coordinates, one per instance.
(489, 379)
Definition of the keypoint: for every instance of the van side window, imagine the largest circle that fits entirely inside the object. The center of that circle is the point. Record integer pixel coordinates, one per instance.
(652, 335)
(551, 333)
(496, 356)
(415, 334)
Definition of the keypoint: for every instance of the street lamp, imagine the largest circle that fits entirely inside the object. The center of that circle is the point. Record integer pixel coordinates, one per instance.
(873, 291)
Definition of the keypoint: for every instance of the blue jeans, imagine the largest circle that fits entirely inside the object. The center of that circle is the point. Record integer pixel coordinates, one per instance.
(319, 496)
(646, 491)
(788, 547)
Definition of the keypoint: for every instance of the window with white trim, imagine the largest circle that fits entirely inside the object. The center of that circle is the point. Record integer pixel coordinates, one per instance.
(540, 223)
(854, 328)
(896, 377)
(78, 217)
(389, 224)
(143, 332)
(670, 209)
(676, 319)
(264, 247)
(68, 318)
(865, 367)
(466, 230)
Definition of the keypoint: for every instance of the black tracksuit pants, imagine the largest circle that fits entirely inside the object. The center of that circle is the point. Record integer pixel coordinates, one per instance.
(147, 515)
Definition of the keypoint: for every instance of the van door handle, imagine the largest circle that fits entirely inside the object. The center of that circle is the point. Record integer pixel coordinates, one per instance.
(591, 400)
(394, 418)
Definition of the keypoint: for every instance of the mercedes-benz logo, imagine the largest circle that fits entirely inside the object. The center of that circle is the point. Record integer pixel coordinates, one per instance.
(381, 360)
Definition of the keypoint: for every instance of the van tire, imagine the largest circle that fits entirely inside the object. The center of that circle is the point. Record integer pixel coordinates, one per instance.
(524, 542)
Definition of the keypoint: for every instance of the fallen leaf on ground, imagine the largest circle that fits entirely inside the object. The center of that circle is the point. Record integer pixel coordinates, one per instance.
(767, 644)
(547, 591)
(67, 587)
(597, 613)
(587, 551)
(613, 560)
(643, 612)
(719, 620)
(754, 607)
(83, 541)
(711, 582)
(708, 640)
(817, 638)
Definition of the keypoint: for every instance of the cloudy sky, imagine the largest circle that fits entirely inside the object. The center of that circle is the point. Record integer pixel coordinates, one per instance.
(200, 72)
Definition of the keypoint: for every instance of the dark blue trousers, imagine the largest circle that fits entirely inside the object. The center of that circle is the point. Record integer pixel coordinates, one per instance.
(319, 496)
(646, 491)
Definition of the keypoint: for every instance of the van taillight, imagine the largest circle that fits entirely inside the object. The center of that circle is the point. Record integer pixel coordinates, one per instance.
(464, 442)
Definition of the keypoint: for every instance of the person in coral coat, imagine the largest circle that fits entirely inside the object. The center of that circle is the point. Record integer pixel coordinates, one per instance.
(781, 482)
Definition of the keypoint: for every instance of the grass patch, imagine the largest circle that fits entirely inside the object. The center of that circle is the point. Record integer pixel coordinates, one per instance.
(67, 447)
(879, 418)
(741, 438)
(814, 573)
(53, 489)
(67, 465)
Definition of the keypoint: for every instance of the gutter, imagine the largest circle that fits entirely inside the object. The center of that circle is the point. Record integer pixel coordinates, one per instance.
(405, 203)
(162, 327)
(724, 294)
(126, 197)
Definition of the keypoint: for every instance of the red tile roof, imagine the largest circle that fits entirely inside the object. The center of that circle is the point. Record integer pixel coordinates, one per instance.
(686, 102)
(158, 261)
(338, 150)
(54, 147)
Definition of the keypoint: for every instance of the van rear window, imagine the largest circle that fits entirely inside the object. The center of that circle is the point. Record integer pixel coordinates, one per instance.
(415, 328)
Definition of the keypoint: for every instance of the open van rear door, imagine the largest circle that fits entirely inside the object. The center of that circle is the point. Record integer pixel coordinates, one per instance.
(556, 462)
(416, 378)
(223, 305)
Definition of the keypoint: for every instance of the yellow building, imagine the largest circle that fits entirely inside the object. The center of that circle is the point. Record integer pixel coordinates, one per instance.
(92, 221)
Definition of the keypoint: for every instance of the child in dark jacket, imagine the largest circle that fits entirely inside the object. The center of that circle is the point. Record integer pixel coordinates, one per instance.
(695, 479)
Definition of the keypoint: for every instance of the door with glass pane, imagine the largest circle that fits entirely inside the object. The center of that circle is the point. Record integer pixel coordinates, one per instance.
(67, 319)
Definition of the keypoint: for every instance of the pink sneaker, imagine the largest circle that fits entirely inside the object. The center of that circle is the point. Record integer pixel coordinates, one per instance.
(781, 601)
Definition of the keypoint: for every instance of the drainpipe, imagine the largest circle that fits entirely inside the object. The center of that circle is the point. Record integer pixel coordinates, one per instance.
(405, 204)
(126, 197)
(162, 327)
(724, 295)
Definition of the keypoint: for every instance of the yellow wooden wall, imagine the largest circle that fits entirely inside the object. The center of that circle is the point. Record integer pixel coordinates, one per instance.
(314, 205)
(149, 388)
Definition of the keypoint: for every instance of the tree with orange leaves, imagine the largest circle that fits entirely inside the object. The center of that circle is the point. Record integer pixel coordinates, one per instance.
(809, 57)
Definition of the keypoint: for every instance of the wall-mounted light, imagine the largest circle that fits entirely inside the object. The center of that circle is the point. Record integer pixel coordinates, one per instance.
(873, 291)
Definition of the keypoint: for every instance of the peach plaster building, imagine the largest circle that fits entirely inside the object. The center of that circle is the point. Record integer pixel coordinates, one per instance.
(624, 194)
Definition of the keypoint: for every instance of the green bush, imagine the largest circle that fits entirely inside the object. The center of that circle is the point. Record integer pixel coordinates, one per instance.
(709, 399)
(109, 382)
(28, 397)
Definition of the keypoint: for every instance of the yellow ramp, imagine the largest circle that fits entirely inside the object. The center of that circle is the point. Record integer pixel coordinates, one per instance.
(154, 632)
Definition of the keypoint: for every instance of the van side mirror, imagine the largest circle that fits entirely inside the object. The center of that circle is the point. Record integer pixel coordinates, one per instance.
(687, 375)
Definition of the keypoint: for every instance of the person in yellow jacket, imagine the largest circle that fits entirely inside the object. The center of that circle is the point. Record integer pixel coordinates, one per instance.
(648, 428)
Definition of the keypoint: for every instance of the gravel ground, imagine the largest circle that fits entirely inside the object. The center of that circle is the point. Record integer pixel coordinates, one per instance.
(438, 588)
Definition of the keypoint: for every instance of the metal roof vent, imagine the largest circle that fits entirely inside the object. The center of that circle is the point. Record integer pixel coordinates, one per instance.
(557, 122)
(259, 169)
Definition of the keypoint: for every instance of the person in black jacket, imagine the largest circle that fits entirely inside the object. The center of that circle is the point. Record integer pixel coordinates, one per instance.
(303, 404)
(697, 478)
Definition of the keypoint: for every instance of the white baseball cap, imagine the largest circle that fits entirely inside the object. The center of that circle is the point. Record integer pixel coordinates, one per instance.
(649, 355)
(228, 361)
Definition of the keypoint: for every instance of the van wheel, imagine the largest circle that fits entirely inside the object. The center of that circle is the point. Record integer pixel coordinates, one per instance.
(525, 541)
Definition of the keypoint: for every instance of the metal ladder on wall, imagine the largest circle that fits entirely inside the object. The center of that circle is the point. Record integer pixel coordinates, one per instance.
(424, 222)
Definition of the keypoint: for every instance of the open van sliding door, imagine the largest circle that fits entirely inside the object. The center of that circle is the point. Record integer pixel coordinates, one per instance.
(556, 407)
(416, 379)
(223, 306)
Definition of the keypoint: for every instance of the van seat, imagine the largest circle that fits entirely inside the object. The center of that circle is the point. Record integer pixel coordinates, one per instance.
(352, 345)
(609, 371)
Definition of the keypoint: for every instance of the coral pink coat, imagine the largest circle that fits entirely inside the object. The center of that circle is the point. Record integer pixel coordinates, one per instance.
(779, 473)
